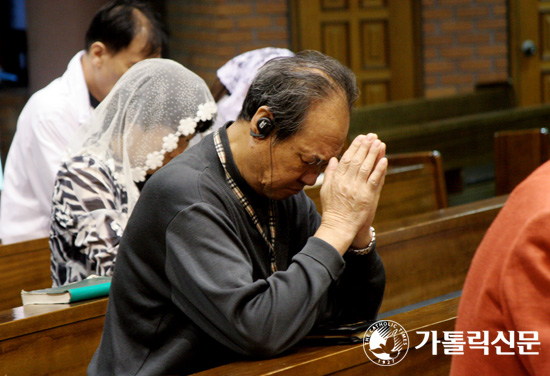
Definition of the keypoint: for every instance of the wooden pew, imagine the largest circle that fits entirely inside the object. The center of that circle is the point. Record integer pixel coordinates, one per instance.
(376, 118)
(351, 359)
(428, 255)
(61, 340)
(465, 141)
(517, 154)
(23, 266)
(50, 339)
(425, 256)
(414, 184)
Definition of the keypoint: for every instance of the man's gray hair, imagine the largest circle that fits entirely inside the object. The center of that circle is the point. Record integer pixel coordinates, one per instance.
(289, 86)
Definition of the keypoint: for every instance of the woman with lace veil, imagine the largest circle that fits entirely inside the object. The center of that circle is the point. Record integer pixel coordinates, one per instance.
(148, 118)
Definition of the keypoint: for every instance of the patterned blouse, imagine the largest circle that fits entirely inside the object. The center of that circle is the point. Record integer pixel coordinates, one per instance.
(89, 214)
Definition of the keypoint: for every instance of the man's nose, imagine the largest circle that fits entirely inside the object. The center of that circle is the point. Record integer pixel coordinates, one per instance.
(310, 177)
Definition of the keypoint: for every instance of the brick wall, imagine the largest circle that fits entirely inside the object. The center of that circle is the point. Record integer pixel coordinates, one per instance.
(465, 42)
(207, 33)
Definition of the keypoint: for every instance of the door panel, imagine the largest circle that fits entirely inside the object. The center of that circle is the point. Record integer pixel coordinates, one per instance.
(378, 39)
(530, 69)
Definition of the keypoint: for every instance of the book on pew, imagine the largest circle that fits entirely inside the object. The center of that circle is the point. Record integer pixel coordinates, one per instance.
(337, 334)
(91, 287)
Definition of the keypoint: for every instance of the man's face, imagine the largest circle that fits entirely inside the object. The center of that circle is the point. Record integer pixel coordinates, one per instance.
(298, 160)
(115, 65)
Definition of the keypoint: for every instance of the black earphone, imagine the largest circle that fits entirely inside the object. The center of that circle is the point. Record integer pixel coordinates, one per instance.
(265, 126)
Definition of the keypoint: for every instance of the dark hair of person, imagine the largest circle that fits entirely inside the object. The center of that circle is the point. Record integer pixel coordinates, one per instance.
(203, 126)
(289, 86)
(116, 25)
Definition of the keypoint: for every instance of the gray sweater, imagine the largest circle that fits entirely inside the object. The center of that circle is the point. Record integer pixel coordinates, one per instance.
(192, 287)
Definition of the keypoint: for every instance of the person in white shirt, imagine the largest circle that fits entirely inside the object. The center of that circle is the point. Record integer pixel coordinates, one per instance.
(121, 34)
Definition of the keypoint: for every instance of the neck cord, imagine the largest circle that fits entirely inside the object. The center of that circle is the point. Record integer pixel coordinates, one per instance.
(246, 204)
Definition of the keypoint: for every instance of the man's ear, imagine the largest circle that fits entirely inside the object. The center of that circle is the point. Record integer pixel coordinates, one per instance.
(262, 112)
(97, 53)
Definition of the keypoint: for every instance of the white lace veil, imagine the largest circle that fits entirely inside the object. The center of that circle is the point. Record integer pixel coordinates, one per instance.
(150, 107)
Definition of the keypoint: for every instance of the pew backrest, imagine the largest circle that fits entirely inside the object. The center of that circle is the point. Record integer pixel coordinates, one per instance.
(23, 266)
(414, 184)
(376, 118)
(428, 255)
(56, 339)
(517, 154)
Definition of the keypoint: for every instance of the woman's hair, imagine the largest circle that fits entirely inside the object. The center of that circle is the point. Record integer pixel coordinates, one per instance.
(289, 86)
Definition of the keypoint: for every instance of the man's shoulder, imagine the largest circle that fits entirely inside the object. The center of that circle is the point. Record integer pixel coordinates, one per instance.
(62, 97)
(50, 105)
(54, 97)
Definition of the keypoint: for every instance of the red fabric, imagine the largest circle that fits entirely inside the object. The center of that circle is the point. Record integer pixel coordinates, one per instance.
(508, 284)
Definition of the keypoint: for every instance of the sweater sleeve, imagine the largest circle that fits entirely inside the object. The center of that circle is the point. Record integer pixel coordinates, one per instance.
(212, 282)
(357, 295)
(524, 291)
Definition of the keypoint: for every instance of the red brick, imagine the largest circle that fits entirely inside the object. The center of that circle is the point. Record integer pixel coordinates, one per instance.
(464, 38)
(457, 79)
(492, 50)
(271, 8)
(500, 10)
(439, 66)
(234, 9)
(501, 64)
(218, 50)
(475, 65)
(491, 24)
(455, 2)
(437, 13)
(438, 40)
(253, 22)
(456, 51)
(431, 80)
(430, 53)
(205, 62)
(281, 21)
(211, 23)
(272, 35)
(492, 77)
(457, 26)
(501, 36)
(429, 27)
(261, 44)
(472, 12)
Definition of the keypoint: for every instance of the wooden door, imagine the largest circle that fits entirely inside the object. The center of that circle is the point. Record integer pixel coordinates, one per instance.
(378, 39)
(530, 50)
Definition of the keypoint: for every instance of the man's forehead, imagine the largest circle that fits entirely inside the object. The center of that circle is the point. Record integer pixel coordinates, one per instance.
(320, 143)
